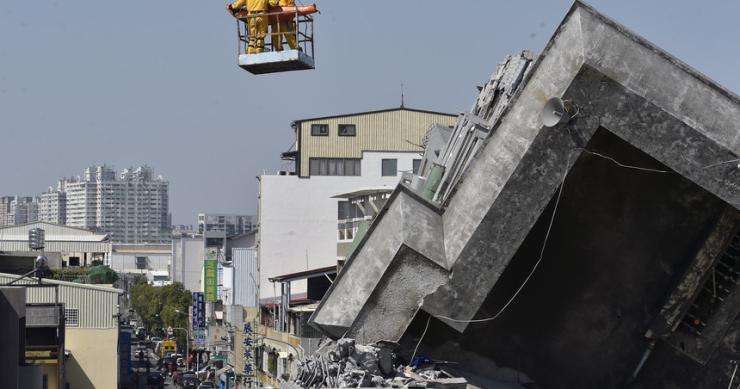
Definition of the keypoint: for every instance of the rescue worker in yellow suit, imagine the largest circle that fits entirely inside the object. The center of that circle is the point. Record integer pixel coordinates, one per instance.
(257, 24)
(286, 27)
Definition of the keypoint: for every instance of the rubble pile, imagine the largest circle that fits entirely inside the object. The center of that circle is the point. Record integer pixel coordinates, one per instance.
(344, 364)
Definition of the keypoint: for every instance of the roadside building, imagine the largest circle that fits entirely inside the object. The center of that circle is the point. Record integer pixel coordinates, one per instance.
(15, 372)
(356, 210)
(90, 329)
(246, 275)
(332, 155)
(188, 254)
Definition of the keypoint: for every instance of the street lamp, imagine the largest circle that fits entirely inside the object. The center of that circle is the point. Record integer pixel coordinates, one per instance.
(187, 341)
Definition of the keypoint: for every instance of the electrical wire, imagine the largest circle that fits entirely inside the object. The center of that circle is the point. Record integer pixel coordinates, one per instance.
(645, 169)
(534, 268)
(549, 229)
(420, 339)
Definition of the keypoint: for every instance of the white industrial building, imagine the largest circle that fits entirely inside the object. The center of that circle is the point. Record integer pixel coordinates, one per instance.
(64, 246)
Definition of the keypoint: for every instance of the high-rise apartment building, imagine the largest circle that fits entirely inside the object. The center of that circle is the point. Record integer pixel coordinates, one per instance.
(21, 210)
(132, 208)
(53, 205)
(5, 209)
(230, 224)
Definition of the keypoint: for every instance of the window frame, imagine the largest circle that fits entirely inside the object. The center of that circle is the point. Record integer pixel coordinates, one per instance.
(317, 126)
(383, 167)
(416, 165)
(341, 126)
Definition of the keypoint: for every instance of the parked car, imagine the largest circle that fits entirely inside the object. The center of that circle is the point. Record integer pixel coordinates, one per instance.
(155, 380)
(207, 385)
(153, 341)
(189, 381)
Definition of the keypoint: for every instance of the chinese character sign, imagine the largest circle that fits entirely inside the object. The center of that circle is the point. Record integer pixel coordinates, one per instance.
(248, 358)
(199, 310)
(210, 279)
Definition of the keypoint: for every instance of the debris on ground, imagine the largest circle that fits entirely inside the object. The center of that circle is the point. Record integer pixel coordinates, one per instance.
(345, 364)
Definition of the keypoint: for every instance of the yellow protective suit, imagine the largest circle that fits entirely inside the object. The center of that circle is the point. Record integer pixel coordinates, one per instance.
(286, 28)
(257, 24)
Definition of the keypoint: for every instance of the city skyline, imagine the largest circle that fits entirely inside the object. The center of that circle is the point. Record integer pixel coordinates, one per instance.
(169, 92)
(46, 212)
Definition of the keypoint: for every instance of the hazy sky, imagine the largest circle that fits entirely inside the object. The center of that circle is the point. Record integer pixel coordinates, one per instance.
(141, 81)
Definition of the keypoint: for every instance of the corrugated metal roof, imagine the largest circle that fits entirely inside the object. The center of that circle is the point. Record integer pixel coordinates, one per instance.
(96, 305)
(49, 228)
(58, 246)
(376, 111)
(142, 248)
(57, 238)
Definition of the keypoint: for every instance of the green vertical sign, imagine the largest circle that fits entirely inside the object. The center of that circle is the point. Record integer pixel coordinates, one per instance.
(210, 279)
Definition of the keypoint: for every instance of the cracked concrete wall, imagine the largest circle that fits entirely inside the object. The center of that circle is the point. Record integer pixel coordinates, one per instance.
(397, 297)
(405, 220)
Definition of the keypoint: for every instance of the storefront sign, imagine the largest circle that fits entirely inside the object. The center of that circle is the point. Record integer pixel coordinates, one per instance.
(248, 372)
(210, 279)
(199, 310)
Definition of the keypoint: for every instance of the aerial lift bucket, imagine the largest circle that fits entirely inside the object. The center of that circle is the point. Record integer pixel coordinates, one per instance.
(271, 60)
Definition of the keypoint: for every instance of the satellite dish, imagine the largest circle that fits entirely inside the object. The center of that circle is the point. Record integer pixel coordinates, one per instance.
(555, 112)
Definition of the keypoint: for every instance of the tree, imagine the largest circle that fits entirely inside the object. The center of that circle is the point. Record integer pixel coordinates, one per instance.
(158, 307)
(101, 275)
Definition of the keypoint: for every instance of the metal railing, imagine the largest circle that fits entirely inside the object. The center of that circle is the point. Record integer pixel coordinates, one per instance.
(302, 29)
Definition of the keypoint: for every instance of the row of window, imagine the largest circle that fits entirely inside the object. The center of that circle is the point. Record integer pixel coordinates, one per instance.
(334, 167)
(345, 210)
(351, 167)
(342, 130)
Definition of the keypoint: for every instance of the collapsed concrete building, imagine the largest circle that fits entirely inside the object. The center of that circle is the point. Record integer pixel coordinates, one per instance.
(599, 252)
